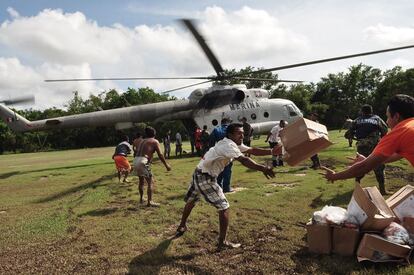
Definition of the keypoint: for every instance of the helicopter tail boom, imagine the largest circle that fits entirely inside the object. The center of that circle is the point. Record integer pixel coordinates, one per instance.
(15, 121)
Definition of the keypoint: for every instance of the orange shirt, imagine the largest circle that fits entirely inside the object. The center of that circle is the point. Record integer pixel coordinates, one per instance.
(399, 140)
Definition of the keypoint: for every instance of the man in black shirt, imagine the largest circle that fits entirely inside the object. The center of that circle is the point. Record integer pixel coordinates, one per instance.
(368, 130)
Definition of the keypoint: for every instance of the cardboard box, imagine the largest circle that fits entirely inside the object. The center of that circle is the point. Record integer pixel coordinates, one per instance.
(303, 139)
(345, 240)
(319, 238)
(402, 202)
(408, 224)
(373, 245)
(370, 209)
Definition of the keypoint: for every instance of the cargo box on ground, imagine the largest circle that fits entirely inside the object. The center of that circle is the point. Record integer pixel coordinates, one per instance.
(345, 240)
(408, 223)
(370, 209)
(303, 139)
(319, 237)
(373, 248)
(402, 202)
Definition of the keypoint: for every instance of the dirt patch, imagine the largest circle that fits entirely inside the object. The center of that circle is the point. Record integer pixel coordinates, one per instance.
(398, 173)
(238, 189)
(285, 185)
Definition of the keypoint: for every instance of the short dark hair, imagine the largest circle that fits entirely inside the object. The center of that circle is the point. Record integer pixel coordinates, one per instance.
(366, 109)
(282, 123)
(205, 127)
(402, 104)
(225, 120)
(125, 138)
(138, 135)
(150, 132)
(232, 128)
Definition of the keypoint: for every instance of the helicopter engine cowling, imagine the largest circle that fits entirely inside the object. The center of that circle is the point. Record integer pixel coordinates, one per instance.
(218, 98)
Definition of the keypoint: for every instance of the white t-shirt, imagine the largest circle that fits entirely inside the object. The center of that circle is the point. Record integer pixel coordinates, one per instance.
(220, 156)
(178, 139)
(274, 137)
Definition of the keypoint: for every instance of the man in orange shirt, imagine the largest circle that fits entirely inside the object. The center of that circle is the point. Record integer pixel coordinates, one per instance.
(397, 144)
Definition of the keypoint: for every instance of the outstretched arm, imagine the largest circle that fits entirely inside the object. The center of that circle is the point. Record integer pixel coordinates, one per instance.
(249, 163)
(161, 156)
(358, 169)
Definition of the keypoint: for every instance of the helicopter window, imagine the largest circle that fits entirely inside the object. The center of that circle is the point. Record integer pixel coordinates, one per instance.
(292, 111)
(214, 122)
(253, 116)
(266, 114)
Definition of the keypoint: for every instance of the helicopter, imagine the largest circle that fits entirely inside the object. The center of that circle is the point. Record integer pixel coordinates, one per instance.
(204, 106)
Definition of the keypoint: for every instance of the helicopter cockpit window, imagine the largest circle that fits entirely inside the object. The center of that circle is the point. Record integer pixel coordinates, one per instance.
(292, 111)
(266, 114)
(253, 116)
(214, 122)
(257, 93)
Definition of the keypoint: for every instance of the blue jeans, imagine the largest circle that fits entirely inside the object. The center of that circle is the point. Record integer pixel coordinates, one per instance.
(225, 177)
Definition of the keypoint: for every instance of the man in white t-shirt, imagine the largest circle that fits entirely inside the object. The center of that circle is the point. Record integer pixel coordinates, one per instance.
(204, 181)
(274, 140)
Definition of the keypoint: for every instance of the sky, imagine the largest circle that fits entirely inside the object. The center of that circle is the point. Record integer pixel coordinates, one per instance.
(95, 39)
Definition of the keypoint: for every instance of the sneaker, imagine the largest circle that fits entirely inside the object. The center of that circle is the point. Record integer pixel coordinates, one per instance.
(153, 204)
(227, 245)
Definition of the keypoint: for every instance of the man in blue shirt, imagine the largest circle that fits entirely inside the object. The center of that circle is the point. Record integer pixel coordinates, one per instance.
(216, 135)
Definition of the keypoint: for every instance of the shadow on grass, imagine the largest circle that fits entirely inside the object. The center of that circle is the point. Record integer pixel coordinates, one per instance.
(307, 263)
(10, 174)
(100, 212)
(341, 199)
(179, 197)
(153, 260)
(92, 184)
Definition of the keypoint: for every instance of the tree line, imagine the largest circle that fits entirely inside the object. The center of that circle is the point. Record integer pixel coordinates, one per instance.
(333, 98)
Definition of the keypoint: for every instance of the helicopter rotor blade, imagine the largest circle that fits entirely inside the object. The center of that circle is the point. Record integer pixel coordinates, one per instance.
(203, 44)
(183, 87)
(18, 100)
(265, 79)
(128, 78)
(325, 60)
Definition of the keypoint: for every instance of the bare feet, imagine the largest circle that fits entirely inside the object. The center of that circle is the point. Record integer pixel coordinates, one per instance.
(180, 231)
(125, 180)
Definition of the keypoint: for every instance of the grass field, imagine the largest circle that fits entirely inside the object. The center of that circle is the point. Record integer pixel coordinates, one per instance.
(65, 212)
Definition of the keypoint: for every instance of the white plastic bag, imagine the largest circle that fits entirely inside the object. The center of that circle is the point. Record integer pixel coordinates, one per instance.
(330, 214)
(396, 233)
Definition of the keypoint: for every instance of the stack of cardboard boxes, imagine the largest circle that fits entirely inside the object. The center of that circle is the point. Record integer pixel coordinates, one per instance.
(373, 214)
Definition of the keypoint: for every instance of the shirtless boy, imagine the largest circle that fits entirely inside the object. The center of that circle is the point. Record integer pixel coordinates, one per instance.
(145, 149)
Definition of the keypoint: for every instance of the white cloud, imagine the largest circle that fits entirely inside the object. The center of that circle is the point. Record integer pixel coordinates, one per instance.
(67, 38)
(13, 13)
(390, 34)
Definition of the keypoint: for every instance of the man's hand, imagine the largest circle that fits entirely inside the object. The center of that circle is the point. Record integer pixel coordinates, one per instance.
(329, 174)
(268, 172)
(356, 159)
